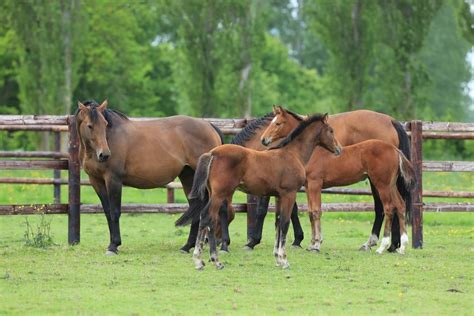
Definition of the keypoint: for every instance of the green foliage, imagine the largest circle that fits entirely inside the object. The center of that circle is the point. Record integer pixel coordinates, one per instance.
(234, 58)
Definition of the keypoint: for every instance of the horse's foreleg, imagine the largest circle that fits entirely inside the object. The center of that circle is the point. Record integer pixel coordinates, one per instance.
(313, 192)
(114, 191)
(101, 190)
(277, 231)
(297, 229)
(286, 205)
(255, 233)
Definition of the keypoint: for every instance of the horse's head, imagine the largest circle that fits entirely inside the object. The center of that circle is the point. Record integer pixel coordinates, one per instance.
(282, 125)
(327, 139)
(92, 127)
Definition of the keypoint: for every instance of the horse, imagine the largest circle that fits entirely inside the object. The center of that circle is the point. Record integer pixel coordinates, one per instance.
(249, 137)
(284, 122)
(348, 129)
(279, 172)
(115, 151)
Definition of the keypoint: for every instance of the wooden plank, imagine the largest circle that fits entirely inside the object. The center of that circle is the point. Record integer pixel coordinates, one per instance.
(445, 166)
(417, 192)
(33, 164)
(36, 128)
(33, 154)
(33, 119)
(448, 126)
(439, 135)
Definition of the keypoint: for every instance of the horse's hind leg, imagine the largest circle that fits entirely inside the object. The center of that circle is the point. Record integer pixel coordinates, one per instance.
(389, 209)
(224, 220)
(297, 229)
(401, 215)
(255, 233)
(285, 205)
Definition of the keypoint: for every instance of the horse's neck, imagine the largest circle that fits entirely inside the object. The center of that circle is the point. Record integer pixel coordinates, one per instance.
(303, 145)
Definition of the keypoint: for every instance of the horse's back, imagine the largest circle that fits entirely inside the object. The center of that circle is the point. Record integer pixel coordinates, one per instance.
(360, 125)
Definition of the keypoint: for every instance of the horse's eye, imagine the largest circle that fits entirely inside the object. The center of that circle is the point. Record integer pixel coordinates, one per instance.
(278, 124)
(89, 126)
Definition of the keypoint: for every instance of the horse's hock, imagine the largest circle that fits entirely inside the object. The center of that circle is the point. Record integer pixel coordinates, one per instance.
(57, 160)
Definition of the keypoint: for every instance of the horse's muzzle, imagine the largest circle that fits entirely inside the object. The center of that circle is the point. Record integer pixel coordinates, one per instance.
(266, 141)
(102, 157)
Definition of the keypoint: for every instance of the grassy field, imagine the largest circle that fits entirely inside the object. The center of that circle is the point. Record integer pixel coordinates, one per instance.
(150, 276)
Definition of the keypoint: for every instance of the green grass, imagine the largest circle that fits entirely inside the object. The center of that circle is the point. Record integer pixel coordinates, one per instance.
(150, 276)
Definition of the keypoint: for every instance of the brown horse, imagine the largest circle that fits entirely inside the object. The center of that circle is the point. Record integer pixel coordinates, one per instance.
(373, 159)
(116, 151)
(349, 128)
(278, 172)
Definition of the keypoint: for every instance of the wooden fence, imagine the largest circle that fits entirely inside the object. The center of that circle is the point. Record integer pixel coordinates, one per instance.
(57, 161)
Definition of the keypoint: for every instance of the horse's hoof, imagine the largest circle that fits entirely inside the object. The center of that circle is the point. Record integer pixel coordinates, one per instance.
(401, 251)
(285, 266)
(379, 251)
(111, 253)
(224, 251)
(392, 248)
(313, 249)
(296, 246)
(248, 248)
(185, 249)
(200, 265)
(364, 248)
(219, 266)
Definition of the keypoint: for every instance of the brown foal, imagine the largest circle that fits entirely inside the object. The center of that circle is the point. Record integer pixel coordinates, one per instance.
(278, 172)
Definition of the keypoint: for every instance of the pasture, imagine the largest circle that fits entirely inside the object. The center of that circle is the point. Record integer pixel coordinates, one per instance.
(151, 276)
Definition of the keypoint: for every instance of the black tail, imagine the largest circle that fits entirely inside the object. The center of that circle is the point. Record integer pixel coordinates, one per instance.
(217, 129)
(198, 197)
(404, 146)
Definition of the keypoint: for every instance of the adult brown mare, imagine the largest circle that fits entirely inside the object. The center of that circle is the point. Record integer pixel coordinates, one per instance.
(278, 172)
(351, 167)
(116, 151)
(350, 128)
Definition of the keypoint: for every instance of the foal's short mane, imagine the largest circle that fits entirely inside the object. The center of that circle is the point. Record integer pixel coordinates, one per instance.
(249, 130)
(298, 130)
(94, 115)
(295, 115)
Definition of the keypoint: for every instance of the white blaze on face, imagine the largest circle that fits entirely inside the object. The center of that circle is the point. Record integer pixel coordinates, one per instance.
(274, 119)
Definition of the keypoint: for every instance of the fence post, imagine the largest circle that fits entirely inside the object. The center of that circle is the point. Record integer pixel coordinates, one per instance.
(417, 192)
(170, 195)
(74, 184)
(251, 214)
(57, 173)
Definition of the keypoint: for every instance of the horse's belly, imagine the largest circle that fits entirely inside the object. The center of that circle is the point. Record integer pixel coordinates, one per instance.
(148, 181)
(256, 189)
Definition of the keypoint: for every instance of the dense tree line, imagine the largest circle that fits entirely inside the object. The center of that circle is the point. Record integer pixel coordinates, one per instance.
(233, 58)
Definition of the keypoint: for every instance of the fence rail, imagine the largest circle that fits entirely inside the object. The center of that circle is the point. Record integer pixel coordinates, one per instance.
(57, 160)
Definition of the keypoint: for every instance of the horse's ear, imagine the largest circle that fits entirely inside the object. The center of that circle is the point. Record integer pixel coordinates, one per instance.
(281, 109)
(325, 118)
(82, 107)
(103, 106)
(276, 110)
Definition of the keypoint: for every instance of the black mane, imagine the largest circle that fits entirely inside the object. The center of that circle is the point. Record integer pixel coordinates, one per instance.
(94, 115)
(249, 130)
(298, 130)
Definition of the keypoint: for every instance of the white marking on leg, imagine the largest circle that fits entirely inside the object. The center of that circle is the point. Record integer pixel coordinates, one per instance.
(403, 243)
(384, 245)
(373, 240)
